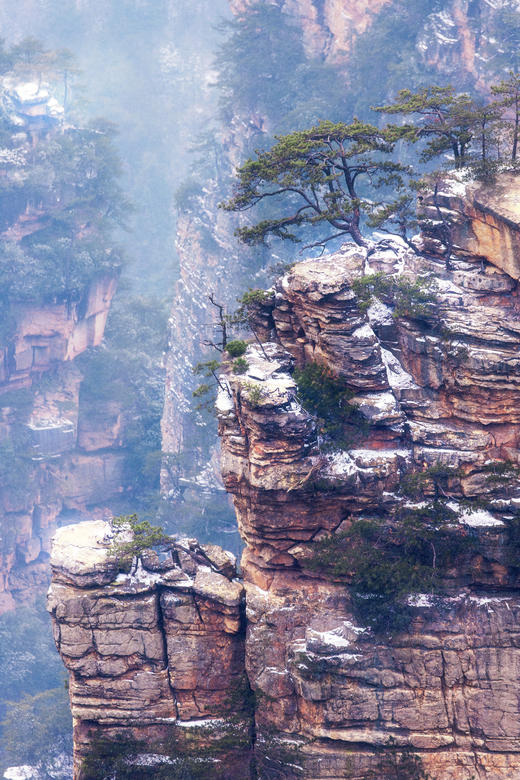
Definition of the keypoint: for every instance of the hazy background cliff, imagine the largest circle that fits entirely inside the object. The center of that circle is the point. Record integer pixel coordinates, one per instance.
(145, 67)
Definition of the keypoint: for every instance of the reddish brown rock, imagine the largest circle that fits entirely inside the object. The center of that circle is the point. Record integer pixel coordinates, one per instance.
(331, 695)
(155, 655)
(163, 647)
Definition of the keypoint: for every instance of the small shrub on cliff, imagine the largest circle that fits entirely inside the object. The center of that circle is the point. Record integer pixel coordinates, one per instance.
(208, 369)
(399, 764)
(120, 757)
(143, 536)
(252, 297)
(413, 298)
(328, 397)
(236, 348)
(387, 560)
(254, 394)
(240, 366)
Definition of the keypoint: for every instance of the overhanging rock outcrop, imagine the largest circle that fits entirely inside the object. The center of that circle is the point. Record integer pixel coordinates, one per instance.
(484, 219)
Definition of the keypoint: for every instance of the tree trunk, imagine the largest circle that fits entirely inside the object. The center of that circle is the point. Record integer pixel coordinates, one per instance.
(515, 134)
(354, 229)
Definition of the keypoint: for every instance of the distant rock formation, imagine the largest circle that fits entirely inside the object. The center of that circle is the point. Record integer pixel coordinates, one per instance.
(65, 449)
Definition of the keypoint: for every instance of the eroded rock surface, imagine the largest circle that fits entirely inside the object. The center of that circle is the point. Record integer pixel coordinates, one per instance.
(333, 697)
(151, 651)
(155, 656)
(64, 461)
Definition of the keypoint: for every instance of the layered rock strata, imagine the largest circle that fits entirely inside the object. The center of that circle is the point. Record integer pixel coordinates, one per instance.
(155, 656)
(57, 454)
(334, 699)
(460, 39)
(438, 386)
(50, 334)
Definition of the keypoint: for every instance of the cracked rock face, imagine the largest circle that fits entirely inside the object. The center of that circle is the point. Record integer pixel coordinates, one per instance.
(155, 655)
(331, 696)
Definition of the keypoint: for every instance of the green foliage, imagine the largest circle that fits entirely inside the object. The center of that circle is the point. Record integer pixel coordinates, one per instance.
(240, 366)
(433, 481)
(236, 348)
(506, 31)
(253, 298)
(254, 393)
(16, 467)
(399, 764)
(328, 398)
(37, 729)
(507, 94)
(250, 304)
(263, 68)
(36, 723)
(501, 473)
(186, 754)
(128, 370)
(387, 560)
(313, 177)
(205, 392)
(278, 756)
(410, 297)
(66, 184)
(389, 48)
(113, 758)
(208, 368)
(143, 537)
(73, 177)
(30, 663)
(187, 193)
(446, 119)
(202, 390)
(480, 133)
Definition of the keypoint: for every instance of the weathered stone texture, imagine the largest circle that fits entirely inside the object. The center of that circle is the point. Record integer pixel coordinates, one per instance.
(331, 696)
(153, 652)
(165, 644)
(56, 476)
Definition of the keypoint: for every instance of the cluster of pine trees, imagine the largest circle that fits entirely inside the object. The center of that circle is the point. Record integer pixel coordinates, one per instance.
(349, 177)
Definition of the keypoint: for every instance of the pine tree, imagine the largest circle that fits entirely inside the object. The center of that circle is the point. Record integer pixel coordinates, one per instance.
(317, 177)
(444, 118)
(508, 99)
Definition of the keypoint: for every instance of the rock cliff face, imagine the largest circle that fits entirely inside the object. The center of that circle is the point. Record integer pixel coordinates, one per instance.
(328, 687)
(55, 454)
(329, 26)
(155, 656)
(50, 334)
(211, 263)
(332, 698)
(458, 38)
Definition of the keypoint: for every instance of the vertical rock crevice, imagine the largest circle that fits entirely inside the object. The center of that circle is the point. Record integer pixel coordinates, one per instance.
(155, 657)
